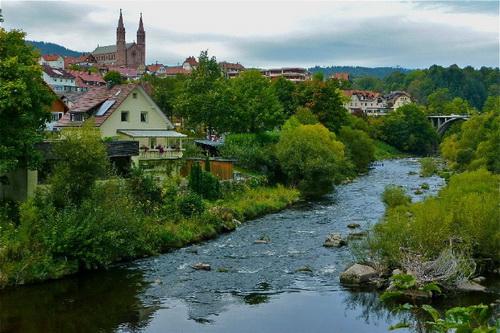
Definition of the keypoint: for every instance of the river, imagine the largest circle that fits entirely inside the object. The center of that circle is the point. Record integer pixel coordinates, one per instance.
(251, 287)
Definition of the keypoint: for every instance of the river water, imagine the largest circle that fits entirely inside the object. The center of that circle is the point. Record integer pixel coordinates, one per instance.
(251, 287)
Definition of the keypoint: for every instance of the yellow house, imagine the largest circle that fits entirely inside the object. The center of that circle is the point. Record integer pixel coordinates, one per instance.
(127, 112)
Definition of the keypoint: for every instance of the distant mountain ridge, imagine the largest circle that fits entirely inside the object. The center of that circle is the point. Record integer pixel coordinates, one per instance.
(52, 48)
(357, 71)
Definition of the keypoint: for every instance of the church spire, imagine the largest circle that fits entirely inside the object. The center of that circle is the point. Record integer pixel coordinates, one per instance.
(120, 21)
(141, 26)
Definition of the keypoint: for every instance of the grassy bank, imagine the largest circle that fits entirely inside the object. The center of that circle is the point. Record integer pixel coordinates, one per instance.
(463, 217)
(225, 214)
(47, 242)
(383, 151)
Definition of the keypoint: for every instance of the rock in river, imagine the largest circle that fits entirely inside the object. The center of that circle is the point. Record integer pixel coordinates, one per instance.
(201, 267)
(353, 225)
(358, 274)
(470, 286)
(334, 240)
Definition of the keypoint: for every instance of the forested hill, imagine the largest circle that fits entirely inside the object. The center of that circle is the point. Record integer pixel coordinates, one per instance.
(52, 48)
(356, 71)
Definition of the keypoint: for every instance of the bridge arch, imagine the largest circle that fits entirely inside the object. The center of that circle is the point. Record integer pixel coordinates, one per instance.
(443, 122)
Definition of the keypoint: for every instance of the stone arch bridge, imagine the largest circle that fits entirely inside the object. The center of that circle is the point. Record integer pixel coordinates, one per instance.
(442, 122)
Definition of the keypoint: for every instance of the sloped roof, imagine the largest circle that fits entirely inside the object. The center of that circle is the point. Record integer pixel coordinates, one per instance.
(91, 101)
(57, 72)
(88, 77)
(191, 60)
(51, 57)
(364, 93)
(174, 70)
(109, 48)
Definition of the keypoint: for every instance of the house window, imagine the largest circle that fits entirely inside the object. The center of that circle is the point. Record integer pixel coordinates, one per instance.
(144, 117)
(76, 117)
(134, 95)
(152, 143)
(124, 116)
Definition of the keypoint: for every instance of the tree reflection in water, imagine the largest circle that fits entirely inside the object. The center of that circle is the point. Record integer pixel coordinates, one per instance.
(94, 302)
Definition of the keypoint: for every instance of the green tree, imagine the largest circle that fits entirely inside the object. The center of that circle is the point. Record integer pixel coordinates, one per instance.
(256, 107)
(310, 157)
(205, 99)
(408, 129)
(360, 148)
(325, 101)
(113, 78)
(285, 90)
(204, 183)
(492, 104)
(24, 102)
(81, 159)
(165, 92)
(437, 100)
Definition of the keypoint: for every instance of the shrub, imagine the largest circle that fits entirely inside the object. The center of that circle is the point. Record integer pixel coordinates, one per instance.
(310, 157)
(204, 183)
(428, 167)
(360, 148)
(465, 215)
(81, 160)
(144, 189)
(190, 204)
(394, 196)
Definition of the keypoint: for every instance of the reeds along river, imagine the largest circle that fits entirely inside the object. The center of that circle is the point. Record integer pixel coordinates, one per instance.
(251, 288)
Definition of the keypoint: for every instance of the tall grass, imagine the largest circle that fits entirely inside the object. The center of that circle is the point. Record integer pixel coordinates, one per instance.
(464, 215)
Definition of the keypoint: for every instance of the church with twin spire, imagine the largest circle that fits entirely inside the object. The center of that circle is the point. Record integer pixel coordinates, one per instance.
(122, 53)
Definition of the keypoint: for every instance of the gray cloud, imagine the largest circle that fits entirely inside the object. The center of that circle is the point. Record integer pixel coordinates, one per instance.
(392, 40)
(463, 6)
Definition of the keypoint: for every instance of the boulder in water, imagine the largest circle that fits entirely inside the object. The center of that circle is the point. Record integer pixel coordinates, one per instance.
(353, 225)
(358, 274)
(202, 266)
(470, 286)
(334, 240)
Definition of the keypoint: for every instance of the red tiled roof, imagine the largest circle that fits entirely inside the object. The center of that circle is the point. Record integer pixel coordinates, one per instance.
(92, 100)
(364, 93)
(88, 77)
(174, 70)
(340, 76)
(192, 61)
(231, 66)
(154, 68)
(51, 57)
(124, 71)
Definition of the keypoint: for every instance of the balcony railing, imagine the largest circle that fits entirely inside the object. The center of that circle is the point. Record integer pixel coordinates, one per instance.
(156, 154)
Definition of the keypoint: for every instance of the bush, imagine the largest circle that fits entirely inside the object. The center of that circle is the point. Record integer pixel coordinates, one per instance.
(49, 242)
(428, 167)
(394, 196)
(310, 156)
(204, 183)
(465, 215)
(190, 204)
(360, 148)
(81, 160)
(145, 190)
(408, 129)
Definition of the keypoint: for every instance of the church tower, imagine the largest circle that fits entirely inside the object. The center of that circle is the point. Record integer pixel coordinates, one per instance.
(141, 43)
(121, 51)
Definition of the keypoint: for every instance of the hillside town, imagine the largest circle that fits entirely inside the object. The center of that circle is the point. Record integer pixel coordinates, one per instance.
(271, 182)
(73, 78)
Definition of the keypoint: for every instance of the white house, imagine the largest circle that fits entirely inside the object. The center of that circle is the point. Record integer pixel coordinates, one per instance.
(59, 79)
(52, 60)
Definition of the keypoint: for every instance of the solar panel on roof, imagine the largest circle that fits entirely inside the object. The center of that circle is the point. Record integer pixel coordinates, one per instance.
(105, 107)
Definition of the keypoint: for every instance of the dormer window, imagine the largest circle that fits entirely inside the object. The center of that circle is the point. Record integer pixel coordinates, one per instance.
(134, 95)
(76, 117)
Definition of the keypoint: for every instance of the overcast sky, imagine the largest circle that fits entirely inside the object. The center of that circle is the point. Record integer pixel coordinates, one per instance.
(412, 34)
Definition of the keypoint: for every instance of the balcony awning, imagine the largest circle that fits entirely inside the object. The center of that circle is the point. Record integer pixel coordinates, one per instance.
(152, 134)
